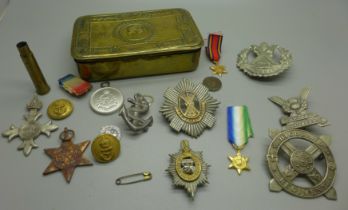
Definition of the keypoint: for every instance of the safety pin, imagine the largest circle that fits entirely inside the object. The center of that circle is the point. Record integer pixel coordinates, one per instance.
(146, 176)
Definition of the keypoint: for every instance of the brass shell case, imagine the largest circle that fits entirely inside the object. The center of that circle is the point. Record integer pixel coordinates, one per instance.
(33, 68)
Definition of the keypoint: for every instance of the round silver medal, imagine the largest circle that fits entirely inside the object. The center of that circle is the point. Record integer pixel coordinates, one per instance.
(106, 100)
(111, 129)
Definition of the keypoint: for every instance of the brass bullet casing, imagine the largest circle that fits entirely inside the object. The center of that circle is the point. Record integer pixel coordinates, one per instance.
(135, 44)
(105, 148)
(60, 109)
(33, 68)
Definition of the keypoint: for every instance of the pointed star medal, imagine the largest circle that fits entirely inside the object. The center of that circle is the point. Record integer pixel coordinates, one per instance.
(31, 128)
(213, 51)
(239, 131)
(68, 156)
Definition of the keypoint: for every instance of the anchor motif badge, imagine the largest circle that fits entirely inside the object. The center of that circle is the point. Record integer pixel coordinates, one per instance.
(133, 116)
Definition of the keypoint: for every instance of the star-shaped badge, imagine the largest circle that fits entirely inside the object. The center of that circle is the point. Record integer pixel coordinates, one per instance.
(218, 69)
(239, 162)
(68, 156)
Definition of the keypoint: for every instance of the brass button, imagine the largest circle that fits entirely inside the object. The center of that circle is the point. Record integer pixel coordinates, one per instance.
(105, 148)
(59, 109)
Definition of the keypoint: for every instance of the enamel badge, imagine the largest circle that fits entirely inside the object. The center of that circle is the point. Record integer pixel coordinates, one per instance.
(188, 168)
(189, 108)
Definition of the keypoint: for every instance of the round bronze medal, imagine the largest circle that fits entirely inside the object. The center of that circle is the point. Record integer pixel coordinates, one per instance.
(59, 109)
(212, 83)
(105, 148)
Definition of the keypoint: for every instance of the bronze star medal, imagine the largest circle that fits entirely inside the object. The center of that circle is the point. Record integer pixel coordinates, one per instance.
(68, 156)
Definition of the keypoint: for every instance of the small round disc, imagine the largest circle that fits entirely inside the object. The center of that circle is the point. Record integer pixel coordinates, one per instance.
(106, 100)
(111, 129)
(212, 83)
(105, 148)
(59, 109)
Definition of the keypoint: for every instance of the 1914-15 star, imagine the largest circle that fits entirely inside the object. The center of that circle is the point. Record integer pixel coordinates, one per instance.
(68, 156)
(239, 162)
(218, 69)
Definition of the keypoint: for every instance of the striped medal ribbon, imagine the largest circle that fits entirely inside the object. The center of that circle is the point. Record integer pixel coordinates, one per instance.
(239, 125)
(213, 51)
(239, 131)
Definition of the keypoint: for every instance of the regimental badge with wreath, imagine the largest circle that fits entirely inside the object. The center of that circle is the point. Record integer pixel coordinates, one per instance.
(268, 61)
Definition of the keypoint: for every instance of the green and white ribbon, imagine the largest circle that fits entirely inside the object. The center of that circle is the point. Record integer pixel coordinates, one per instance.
(238, 125)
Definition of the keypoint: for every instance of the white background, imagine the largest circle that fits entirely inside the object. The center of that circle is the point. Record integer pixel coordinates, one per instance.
(314, 31)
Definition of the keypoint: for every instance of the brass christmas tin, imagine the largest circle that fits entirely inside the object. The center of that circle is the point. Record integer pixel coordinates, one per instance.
(134, 44)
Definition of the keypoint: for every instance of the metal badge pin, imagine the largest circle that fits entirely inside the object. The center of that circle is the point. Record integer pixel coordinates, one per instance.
(297, 107)
(302, 162)
(144, 176)
(264, 64)
(31, 128)
(106, 100)
(189, 108)
(134, 115)
(188, 169)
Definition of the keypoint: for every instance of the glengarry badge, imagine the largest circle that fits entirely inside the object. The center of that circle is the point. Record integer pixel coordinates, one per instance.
(189, 108)
(301, 164)
(297, 107)
(305, 152)
(265, 63)
(188, 168)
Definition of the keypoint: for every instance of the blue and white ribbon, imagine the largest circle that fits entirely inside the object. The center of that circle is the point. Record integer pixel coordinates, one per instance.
(238, 125)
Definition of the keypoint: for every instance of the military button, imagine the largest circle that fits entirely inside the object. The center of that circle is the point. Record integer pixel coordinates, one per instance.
(60, 109)
(105, 148)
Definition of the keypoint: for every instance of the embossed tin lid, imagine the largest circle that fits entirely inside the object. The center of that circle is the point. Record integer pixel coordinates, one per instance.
(134, 33)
